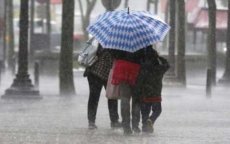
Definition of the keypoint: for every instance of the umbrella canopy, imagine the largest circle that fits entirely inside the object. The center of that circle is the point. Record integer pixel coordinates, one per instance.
(128, 30)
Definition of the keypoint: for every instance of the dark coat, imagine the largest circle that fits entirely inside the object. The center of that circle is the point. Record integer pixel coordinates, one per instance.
(135, 57)
(149, 81)
(102, 66)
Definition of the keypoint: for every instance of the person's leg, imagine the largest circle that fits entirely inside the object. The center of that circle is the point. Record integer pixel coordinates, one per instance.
(135, 113)
(145, 111)
(125, 108)
(113, 110)
(113, 113)
(156, 111)
(95, 87)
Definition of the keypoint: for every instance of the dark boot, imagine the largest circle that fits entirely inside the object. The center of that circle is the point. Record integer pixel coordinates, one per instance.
(116, 124)
(136, 129)
(148, 127)
(92, 126)
(127, 130)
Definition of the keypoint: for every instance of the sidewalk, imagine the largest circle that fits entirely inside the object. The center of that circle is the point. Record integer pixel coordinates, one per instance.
(188, 117)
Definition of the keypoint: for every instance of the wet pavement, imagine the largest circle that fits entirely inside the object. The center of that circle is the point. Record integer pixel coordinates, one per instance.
(188, 117)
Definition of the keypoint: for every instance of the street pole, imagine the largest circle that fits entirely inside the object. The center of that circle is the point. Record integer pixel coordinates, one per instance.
(110, 5)
(22, 86)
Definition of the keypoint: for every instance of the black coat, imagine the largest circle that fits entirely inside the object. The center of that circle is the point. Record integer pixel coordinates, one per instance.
(149, 81)
(135, 57)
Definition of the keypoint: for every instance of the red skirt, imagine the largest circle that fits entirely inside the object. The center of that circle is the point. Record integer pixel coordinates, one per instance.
(125, 71)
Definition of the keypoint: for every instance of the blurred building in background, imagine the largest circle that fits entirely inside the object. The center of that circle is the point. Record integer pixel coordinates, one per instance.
(197, 20)
(197, 24)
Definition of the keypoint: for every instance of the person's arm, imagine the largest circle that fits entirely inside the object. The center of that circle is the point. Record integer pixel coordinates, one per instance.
(163, 65)
(99, 50)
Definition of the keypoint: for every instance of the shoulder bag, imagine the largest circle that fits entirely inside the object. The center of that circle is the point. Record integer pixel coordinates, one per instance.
(88, 56)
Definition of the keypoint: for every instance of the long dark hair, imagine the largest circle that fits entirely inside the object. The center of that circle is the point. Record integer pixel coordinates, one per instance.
(100, 49)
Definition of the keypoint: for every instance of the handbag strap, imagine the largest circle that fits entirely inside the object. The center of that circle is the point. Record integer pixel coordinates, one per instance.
(90, 41)
(88, 44)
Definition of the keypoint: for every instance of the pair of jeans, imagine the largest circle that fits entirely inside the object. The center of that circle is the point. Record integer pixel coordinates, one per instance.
(126, 96)
(146, 110)
(95, 87)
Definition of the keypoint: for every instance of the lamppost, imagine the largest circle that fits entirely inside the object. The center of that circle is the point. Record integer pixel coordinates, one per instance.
(111, 4)
(22, 86)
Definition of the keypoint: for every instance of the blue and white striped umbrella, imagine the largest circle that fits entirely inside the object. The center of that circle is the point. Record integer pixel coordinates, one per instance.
(128, 30)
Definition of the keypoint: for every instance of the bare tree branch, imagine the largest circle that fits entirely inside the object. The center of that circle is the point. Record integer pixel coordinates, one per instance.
(81, 10)
(85, 17)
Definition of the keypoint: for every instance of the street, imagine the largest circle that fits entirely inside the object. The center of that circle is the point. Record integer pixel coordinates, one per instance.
(188, 117)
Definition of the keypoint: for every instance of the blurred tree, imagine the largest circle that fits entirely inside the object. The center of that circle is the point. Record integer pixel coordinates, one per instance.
(86, 16)
(32, 8)
(172, 37)
(226, 76)
(48, 18)
(5, 30)
(180, 13)
(126, 3)
(211, 39)
(66, 54)
(10, 31)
